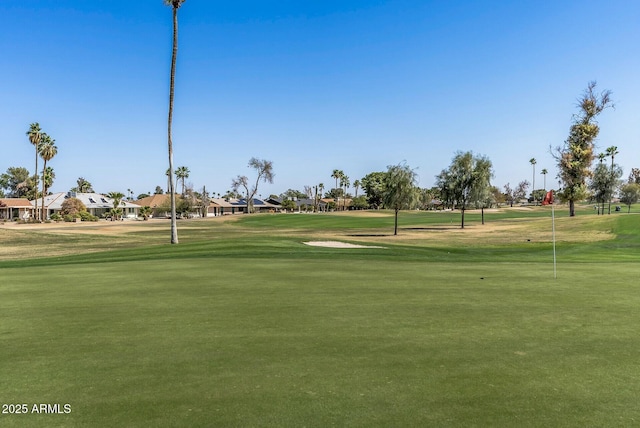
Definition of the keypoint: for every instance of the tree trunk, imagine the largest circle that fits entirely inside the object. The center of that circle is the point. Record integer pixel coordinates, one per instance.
(462, 223)
(482, 209)
(35, 184)
(44, 168)
(395, 227)
(174, 54)
(572, 208)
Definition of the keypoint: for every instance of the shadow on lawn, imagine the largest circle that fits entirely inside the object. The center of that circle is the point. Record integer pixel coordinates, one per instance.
(439, 228)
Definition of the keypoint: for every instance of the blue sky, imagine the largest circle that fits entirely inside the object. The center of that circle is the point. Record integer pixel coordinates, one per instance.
(313, 86)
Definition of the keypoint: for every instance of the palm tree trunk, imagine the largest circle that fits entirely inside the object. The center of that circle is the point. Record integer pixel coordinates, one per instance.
(44, 168)
(35, 184)
(172, 190)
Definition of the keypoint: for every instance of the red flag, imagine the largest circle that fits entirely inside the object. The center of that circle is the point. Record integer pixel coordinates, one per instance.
(548, 199)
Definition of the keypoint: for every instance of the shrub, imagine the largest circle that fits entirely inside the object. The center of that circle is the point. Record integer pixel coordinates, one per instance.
(55, 217)
(87, 216)
(69, 218)
(72, 206)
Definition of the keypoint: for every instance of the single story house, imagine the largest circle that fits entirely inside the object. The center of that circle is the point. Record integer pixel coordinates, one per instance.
(161, 205)
(96, 203)
(341, 203)
(223, 206)
(15, 209)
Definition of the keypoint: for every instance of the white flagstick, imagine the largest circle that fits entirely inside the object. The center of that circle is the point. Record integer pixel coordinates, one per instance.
(553, 229)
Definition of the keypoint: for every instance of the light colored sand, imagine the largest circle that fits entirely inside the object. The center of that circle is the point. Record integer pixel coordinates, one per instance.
(337, 244)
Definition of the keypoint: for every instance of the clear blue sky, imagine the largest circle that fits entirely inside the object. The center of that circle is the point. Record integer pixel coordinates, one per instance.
(311, 85)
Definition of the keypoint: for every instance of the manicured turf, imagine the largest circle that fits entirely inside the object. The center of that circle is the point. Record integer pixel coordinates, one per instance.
(243, 325)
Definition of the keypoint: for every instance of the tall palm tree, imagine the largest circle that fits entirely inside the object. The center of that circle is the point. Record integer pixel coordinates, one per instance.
(344, 183)
(47, 151)
(612, 151)
(544, 173)
(182, 173)
(48, 176)
(356, 186)
(601, 158)
(533, 163)
(83, 186)
(320, 190)
(175, 5)
(35, 136)
(337, 174)
(117, 198)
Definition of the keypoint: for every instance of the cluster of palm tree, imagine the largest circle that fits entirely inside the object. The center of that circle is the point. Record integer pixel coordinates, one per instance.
(605, 178)
(46, 149)
(342, 184)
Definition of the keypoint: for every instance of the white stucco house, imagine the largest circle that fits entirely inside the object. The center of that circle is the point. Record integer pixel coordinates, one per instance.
(96, 203)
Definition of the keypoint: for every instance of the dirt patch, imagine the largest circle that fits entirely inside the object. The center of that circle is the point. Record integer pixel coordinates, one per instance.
(338, 244)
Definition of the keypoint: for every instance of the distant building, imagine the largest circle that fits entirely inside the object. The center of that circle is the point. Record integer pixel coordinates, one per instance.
(96, 203)
(15, 208)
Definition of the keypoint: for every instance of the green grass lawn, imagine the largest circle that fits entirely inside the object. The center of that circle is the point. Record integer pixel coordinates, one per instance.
(243, 325)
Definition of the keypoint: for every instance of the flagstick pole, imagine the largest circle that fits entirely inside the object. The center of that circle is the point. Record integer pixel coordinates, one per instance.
(553, 229)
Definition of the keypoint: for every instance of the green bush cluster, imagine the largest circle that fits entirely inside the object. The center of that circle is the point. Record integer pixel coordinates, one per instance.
(87, 216)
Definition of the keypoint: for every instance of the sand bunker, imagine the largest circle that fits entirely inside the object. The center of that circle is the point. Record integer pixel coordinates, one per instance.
(337, 244)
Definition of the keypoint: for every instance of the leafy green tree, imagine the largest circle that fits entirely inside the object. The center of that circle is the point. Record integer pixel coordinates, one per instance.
(481, 190)
(497, 195)
(184, 206)
(291, 193)
(465, 180)
(373, 186)
(158, 191)
(17, 182)
(400, 182)
(424, 198)
(576, 156)
(629, 194)
(47, 152)
(538, 195)
(288, 205)
(35, 136)
(175, 5)
(359, 203)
